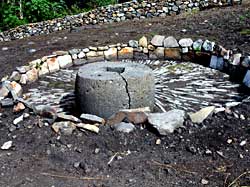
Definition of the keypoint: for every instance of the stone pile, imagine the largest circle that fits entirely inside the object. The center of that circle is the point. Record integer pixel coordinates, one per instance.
(206, 53)
(133, 10)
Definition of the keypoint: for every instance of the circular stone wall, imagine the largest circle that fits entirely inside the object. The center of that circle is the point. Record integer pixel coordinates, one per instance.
(104, 88)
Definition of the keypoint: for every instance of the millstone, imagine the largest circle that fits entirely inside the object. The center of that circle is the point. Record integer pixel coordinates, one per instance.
(103, 88)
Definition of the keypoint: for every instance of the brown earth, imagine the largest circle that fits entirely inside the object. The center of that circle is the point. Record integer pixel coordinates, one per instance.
(39, 158)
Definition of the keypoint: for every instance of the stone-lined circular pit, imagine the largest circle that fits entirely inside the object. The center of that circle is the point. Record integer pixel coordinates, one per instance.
(103, 88)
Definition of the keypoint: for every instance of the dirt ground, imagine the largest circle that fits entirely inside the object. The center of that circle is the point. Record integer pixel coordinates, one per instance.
(191, 156)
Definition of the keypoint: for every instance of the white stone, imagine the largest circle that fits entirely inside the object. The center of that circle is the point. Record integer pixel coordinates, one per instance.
(32, 75)
(65, 127)
(167, 122)
(186, 42)
(157, 40)
(6, 145)
(170, 42)
(65, 61)
(90, 127)
(23, 79)
(16, 88)
(68, 117)
(201, 115)
(90, 118)
(111, 54)
(124, 127)
(143, 42)
(18, 120)
(43, 70)
(81, 55)
(53, 64)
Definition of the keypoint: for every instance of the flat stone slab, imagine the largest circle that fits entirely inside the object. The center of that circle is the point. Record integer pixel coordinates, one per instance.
(104, 88)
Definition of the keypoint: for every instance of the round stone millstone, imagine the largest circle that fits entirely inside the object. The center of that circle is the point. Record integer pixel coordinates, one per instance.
(104, 88)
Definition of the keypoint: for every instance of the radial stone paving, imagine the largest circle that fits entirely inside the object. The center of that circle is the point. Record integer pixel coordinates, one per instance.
(104, 88)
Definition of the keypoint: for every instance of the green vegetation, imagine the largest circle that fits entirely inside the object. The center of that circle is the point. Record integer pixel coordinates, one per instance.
(245, 32)
(18, 12)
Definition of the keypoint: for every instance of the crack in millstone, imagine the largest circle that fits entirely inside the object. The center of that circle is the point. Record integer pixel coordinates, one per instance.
(126, 87)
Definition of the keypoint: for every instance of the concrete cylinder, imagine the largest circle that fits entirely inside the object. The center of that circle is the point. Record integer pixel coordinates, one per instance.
(103, 88)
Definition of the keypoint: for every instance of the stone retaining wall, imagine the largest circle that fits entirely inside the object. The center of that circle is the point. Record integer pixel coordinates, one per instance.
(120, 12)
(206, 53)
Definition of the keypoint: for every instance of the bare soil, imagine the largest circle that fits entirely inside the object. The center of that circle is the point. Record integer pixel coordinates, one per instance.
(39, 158)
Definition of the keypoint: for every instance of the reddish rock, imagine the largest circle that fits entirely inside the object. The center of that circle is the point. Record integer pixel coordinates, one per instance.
(172, 53)
(53, 64)
(32, 75)
(126, 52)
(135, 116)
(18, 107)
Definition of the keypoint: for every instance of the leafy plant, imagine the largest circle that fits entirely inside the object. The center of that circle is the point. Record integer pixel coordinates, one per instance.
(9, 18)
(39, 10)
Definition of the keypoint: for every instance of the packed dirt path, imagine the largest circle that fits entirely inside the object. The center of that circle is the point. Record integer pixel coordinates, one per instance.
(198, 155)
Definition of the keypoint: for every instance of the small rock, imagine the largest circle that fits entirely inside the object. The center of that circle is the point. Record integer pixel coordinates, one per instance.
(76, 164)
(208, 46)
(7, 102)
(197, 45)
(242, 117)
(229, 141)
(5, 48)
(204, 181)
(184, 30)
(16, 89)
(18, 107)
(4, 91)
(217, 110)
(97, 150)
(133, 43)
(158, 142)
(26, 115)
(90, 127)
(167, 122)
(65, 127)
(124, 127)
(89, 118)
(65, 61)
(201, 115)
(246, 61)
(135, 116)
(170, 42)
(15, 76)
(143, 42)
(23, 69)
(18, 120)
(23, 79)
(32, 50)
(68, 117)
(232, 104)
(244, 142)
(32, 75)
(208, 152)
(157, 40)
(236, 59)
(186, 42)
(6, 145)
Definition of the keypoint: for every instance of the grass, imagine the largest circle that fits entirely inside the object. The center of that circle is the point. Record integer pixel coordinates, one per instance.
(245, 32)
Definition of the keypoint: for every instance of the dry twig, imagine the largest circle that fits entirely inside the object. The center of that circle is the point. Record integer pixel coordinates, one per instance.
(174, 167)
(72, 177)
(241, 175)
